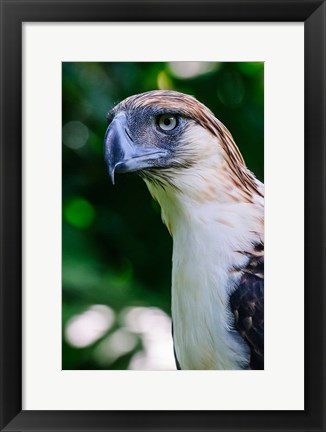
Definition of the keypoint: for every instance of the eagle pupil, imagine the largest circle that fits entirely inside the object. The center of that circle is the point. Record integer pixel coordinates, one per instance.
(167, 122)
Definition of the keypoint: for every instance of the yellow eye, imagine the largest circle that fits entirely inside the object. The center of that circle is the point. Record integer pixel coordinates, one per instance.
(167, 122)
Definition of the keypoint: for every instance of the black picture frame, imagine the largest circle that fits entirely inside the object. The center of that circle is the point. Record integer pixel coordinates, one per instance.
(13, 14)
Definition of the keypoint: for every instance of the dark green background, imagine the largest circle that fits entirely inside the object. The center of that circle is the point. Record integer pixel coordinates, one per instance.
(116, 251)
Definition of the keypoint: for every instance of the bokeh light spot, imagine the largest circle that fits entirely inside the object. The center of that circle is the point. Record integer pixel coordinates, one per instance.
(86, 328)
(79, 213)
(117, 344)
(164, 82)
(154, 327)
(189, 69)
(75, 134)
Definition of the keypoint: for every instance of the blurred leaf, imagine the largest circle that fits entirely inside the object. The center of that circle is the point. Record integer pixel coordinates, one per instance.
(79, 213)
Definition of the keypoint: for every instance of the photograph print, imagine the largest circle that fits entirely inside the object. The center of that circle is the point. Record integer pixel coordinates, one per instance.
(163, 216)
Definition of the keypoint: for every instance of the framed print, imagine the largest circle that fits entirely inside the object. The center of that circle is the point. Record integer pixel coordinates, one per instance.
(86, 267)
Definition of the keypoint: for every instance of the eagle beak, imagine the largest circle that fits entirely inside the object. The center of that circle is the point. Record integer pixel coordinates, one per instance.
(122, 154)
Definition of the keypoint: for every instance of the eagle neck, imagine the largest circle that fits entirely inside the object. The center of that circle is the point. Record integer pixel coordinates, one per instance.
(209, 233)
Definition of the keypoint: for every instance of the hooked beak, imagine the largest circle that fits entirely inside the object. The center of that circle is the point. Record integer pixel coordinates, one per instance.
(122, 154)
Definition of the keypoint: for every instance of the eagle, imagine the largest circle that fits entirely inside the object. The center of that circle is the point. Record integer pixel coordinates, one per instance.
(213, 207)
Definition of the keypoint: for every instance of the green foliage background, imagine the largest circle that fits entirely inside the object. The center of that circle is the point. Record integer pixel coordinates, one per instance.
(116, 251)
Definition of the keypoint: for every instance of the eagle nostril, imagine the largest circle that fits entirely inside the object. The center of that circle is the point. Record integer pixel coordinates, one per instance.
(128, 134)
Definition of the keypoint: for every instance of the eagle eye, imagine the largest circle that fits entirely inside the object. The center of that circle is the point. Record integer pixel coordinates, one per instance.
(167, 122)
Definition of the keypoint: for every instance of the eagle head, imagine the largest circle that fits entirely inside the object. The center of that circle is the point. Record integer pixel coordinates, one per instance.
(154, 133)
(174, 141)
